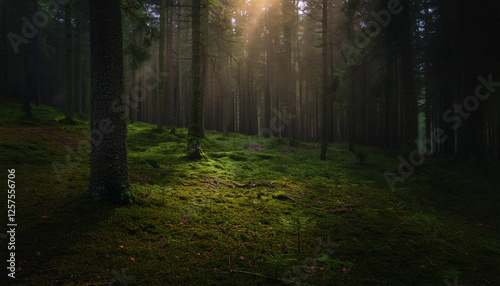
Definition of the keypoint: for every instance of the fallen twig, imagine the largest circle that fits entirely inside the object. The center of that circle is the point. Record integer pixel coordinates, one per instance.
(251, 185)
(258, 274)
(71, 233)
(96, 238)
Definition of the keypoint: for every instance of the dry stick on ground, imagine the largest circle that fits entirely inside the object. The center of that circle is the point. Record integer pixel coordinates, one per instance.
(261, 275)
(344, 210)
(96, 238)
(71, 233)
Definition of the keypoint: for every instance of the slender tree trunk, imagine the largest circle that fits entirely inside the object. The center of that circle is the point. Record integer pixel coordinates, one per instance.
(4, 63)
(85, 84)
(289, 79)
(160, 105)
(109, 165)
(68, 35)
(204, 40)
(135, 105)
(267, 90)
(324, 79)
(78, 61)
(170, 67)
(85, 58)
(428, 105)
(350, 114)
(36, 65)
(363, 126)
(26, 89)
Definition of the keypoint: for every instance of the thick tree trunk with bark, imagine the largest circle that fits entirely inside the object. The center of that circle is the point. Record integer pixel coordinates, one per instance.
(409, 128)
(109, 166)
(195, 131)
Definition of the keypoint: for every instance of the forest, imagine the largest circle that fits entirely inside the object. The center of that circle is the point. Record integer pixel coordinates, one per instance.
(250, 142)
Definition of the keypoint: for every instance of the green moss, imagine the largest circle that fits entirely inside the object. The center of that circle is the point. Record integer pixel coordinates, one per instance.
(237, 156)
(190, 221)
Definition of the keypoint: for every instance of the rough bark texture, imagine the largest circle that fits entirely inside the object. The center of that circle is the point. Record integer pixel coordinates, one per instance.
(109, 167)
(195, 132)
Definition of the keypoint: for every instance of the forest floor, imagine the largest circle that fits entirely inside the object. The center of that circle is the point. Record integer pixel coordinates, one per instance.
(256, 212)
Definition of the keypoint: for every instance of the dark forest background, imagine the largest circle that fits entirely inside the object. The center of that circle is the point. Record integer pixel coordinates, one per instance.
(391, 74)
(250, 142)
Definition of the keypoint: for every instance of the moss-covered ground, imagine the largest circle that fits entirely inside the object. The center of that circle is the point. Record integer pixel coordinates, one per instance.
(257, 211)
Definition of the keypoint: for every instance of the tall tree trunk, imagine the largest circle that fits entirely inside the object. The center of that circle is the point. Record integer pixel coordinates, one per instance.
(35, 67)
(27, 90)
(204, 61)
(289, 79)
(350, 114)
(170, 67)
(135, 104)
(409, 127)
(109, 166)
(78, 59)
(68, 41)
(4, 63)
(249, 102)
(324, 83)
(160, 106)
(266, 118)
(85, 58)
(195, 131)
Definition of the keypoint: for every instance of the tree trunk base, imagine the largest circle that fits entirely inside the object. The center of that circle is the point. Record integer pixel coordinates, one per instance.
(194, 151)
(121, 195)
